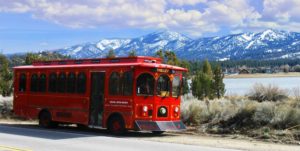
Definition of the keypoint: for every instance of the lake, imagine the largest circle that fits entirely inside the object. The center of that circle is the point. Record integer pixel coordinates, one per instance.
(241, 86)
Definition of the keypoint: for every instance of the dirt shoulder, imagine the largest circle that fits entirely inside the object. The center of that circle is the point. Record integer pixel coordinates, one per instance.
(192, 138)
(266, 75)
(230, 142)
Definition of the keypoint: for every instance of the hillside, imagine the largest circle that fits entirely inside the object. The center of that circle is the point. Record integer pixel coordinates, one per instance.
(268, 44)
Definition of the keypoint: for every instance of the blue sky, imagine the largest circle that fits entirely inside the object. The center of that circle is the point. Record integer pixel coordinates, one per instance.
(33, 25)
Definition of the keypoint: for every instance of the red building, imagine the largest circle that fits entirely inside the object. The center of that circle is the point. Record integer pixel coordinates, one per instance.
(136, 93)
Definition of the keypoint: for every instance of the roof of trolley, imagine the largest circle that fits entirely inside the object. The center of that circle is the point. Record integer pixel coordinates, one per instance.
(142, 61)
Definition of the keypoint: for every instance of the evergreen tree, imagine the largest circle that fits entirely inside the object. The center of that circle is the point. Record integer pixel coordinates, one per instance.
(185, 86)
(27, 59)
(5, 77)
(170, 58)
(202, 83)
(185, 64)
(111, 54)
(32, 57)
(160, 54)
(196, 86)
(201, 86)
(207, 68)
(132, 53)
(218, 85)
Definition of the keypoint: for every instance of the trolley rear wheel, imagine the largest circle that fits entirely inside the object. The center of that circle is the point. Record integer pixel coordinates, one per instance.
(116, 125)
(45, 120)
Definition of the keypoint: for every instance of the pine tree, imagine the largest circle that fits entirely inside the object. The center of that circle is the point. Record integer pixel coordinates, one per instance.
(160, 54)
(196, 86)
(202, 83)
(5, 77)
(171, 58)
(185, 64)
(201, 86)
(185, 86)
(31, 57)
(218, 85)
(207, 68)
(111, 54)
(132, 53)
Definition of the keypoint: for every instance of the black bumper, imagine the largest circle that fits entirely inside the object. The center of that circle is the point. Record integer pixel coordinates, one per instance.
(159, 125)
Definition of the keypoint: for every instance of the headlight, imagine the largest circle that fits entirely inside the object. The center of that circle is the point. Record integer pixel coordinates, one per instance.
(162, 111)
(145, 108)
(176, 109)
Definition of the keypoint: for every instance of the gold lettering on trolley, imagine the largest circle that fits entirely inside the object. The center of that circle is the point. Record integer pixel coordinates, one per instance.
(163, 70)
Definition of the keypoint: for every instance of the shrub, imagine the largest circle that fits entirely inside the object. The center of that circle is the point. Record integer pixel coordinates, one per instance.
(264, 113)
(240, 114)
(286, 115)
(262, 93)
(193, 112)
(243, 116)
(5, 106)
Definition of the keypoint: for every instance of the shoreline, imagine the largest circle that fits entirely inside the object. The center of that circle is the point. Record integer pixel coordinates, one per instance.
(263, 75)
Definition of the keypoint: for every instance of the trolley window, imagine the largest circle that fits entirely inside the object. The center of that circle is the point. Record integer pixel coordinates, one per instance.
(145, 84)
(114, 83)
(163, 86)
(127, 83)
(176, 86)
(34, 83)
(42, 83)
(81, 82)
(22, 82)
(71, 82)
(52, 82)
(61, 85)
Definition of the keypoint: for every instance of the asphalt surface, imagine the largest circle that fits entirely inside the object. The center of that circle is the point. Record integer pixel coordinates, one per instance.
(33, 138)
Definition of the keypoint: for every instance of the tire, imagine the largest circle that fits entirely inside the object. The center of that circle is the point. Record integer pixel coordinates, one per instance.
(158, 132)
(116, 125)
(45, 120)
(82, 126)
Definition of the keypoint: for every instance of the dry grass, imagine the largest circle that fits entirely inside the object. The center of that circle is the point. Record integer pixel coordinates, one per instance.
(244, 116)
(261, 93)
(241, 112)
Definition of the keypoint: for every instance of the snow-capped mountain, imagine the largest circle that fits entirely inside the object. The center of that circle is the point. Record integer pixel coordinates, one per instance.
(144, 45)
(268, 44)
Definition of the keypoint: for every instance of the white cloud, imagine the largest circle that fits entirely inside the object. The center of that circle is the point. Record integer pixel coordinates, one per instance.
(277, 14)
(14, 6)
(177, 15)
(186, 2)
(230, 12)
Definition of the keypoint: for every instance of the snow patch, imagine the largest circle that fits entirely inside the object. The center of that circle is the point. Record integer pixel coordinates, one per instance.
(77, 49)
(269, 51)
(285, 56)
(223, 59)
(295, 43)
(246, 37)
(249, 45)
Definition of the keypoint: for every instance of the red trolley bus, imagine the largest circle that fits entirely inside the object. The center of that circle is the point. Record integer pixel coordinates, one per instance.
(134, 93)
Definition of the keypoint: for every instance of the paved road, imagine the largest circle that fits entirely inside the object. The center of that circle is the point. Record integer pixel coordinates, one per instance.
(33, 138)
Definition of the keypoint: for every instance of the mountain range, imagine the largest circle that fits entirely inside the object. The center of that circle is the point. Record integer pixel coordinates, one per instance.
(268, 44)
